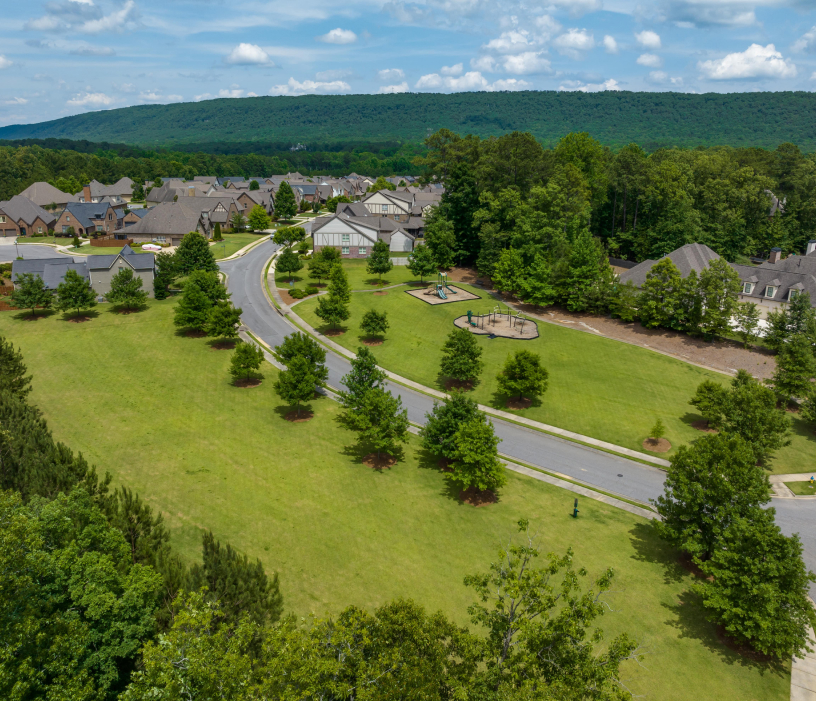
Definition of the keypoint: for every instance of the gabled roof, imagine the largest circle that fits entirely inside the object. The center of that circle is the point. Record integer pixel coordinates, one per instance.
(692, 256)
(84, 212)
(43, 194)
(168, 218)
(138, 261)
(21, 208)
(51, 270)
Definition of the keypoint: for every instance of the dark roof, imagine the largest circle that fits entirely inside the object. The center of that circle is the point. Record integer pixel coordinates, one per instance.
(692, 256)
(21, 208)
(168, 218)
(353, 209)
(139, 261)
(84, 212)
(51, 270)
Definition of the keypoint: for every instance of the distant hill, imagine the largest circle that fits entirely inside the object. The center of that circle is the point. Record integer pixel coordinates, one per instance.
(615, 118)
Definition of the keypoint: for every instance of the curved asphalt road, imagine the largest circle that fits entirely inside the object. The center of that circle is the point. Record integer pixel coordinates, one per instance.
(602, 470)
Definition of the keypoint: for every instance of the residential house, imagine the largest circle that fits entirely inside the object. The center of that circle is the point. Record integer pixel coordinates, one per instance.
(410, 224)
(169, 222)
(98, 270)
(355, 236)
(87, 218)
(19, 216)
(95, 191)
(133, 216)
(45, 195)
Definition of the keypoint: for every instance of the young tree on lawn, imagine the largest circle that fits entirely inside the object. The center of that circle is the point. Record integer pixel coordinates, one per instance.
(254, 185)
(288, 235)
(374, 323)
(445, 420)
(318, 268)
(209, 284)
(13, 377)
(719, 288)
(421, 262)
(297, 382)
(808, 407)
(75, 292)
(193, 309)
(795, 367)
(746, 317)
(258, 218)
(332, 310)
(461, 356)
(223, 320)
(440, 238)
(126, 290)
(300, 345)
(526, 609)
(288, 262)
(523, 374)
(508, 272)
(30, 293)
(756, 586)
(379, 261)
(658, 431)
(363, 376)
(246, 359)
(238, 221)
(332, 202)
(338, 284)
(475, 459)
(192, 254)
(708, 485)
(76, 242)
(380, 421)
(166, 271)
(285, 204)
(217, 232)
(537, 284)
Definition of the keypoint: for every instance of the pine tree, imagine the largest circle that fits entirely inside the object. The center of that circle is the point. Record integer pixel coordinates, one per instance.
(217, 232)
(659, 299)
(13, 377)
(421, 262)
(165, 274)
(30, 293)
(363, 376)
(523, 374)
(288, 262)
(285, 204)
(537, 284)
(194, 253)
(75, 292)
(338, 284)
(475, 460)
(461, 356)
(246, 359)
(126, 290)
(297, 382)
(379, 261)
(374, 323)
(445, 420)
(223, 320)
(795, 368)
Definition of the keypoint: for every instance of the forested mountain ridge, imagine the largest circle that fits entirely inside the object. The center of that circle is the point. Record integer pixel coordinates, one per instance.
(614, 118)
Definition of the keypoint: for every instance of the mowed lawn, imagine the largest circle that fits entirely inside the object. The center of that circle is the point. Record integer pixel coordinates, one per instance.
(598, 387)
(156, 409)
(359, 278)
(233, 243)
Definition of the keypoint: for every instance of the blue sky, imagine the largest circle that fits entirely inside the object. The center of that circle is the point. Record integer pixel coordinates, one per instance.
(63, 57)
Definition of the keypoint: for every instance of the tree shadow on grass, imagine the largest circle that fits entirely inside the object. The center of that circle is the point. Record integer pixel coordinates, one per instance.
(499, 400)
(124, 310)
(187, 332)
(77, 317)
(222, 343)
(284, 411)
(650, 548)
(26, 315)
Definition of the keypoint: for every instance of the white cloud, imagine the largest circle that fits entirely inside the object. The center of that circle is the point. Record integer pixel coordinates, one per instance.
(648, 39)
(578, 86)
(610, 44)
(755, 62)
(484, 63)
(452, 70)
(90, 50)
(90, 99)
(338, 36)
(179, 98)
(512, 42)
(151, 96)
(4, 62)
(393, 89)
(510, 84)
(114, 22)
(526, 63)
(247, 55)
(574, 43)
(805, 43)
(729, 13)
(650, 60)
(472, 80)
(547, 26)
(391, 74)
(307, 87)
(431, 80)
(16, 101)
(83, 17)
(234, 91)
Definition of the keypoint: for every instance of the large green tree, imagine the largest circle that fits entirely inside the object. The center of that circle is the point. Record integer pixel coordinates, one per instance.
(379, 262)
(444, 421)
(258, 219)
(421, 262)
(719, 289)
(374, 323)
(13, 378)
(301, 345)
(288, 262)
(523, 374)
(380, 421)
(285, 203)
(795, 368)
(126, 290)
(461, 356)
(223, 320)
(659, 302)
(440, 238)
(193, 253)
(30, 293)
(74, 293)
(363, 377)
(332, 310)
(475, 461)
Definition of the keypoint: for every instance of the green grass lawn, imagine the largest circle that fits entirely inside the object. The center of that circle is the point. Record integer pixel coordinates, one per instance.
(233, 243)
(156, 409)
(802, 488)
(598, 387)
(359, 277)
(60, 240)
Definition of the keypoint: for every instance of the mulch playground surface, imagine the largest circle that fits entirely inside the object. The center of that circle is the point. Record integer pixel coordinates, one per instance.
(499, 325)
(429, 295)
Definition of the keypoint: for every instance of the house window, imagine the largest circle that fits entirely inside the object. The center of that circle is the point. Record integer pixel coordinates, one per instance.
(770, 291)
(362, 250)
(345, 250)
(110, 216)
(159, 239)
(792, 294)
(64, 229)
(39, 229)
(67, 217)
(385, 208)
(2, 219)
(748, 288)
(345, 238)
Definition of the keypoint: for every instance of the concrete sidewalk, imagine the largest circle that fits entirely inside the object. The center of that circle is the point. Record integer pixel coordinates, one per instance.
(803, 675)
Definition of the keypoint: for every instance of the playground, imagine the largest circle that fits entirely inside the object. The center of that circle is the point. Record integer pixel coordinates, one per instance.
(499, 323)
(441, 292)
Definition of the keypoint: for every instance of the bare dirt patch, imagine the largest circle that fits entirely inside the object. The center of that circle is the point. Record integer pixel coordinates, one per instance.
(223, 345)
(724, 356)
(444, 465)
(334, 332)
(464, 385)
(469, 276)
(657, 446)
(381, 293)
(384, 462)
(372, 341)
(476, 497)
(702, 425)
(516, 404)
(247, 382)
(302, 417)
(79, 319)
(194, 333)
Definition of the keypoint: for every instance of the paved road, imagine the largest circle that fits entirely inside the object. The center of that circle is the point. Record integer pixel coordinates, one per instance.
(29, 251)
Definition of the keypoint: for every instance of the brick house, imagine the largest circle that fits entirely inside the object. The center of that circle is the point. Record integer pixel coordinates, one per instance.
(87, 218)
(19, 216)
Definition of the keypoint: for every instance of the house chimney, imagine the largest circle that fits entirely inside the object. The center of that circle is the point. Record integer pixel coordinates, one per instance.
(191, 191)
(776, 254)
(86, 192)
(810, 247)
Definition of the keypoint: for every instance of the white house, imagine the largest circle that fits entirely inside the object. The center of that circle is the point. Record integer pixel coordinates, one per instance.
(356, 236)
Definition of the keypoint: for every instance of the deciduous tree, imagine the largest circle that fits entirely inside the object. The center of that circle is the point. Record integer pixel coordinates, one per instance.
(297, 382)
(288, 262)
(445, 420)
(439, 237)
(795, 368)
(746, 317)
(30, 293)
(380, 420)
(285, 203)
(288, 235)
(223, 320)
(379, 262)
(126, 290)
(338, 283)
(719, 289)
(523, 374)
(461, 356)
(508, 272)
(75, 293)
(192, 254)
(659, 301)
(421, 262)
(537, 284)
(363, 376)
(374, 323)
(332, 202)
(332, 310)
(258, 219)
(301, 345)
(475, 461)
(246, 359)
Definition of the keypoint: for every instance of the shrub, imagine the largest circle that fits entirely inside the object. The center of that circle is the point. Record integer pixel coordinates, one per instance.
(311, 290)
(297, 293)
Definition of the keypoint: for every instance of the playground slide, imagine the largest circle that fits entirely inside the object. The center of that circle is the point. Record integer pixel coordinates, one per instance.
(452, 291)
(441, 292)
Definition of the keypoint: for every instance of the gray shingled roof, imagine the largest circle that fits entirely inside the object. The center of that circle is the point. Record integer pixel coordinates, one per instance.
(43, 194)
(139, 261)
(692, 256)
(51, 270)
(21, 208)
(84, 212)
(168, 218)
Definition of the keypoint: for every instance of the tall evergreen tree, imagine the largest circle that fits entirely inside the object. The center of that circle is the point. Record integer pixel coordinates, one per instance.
(719, 287)
(285, 204)
(659, 300)
(13, 370)
(338, 284)
(166, 272)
